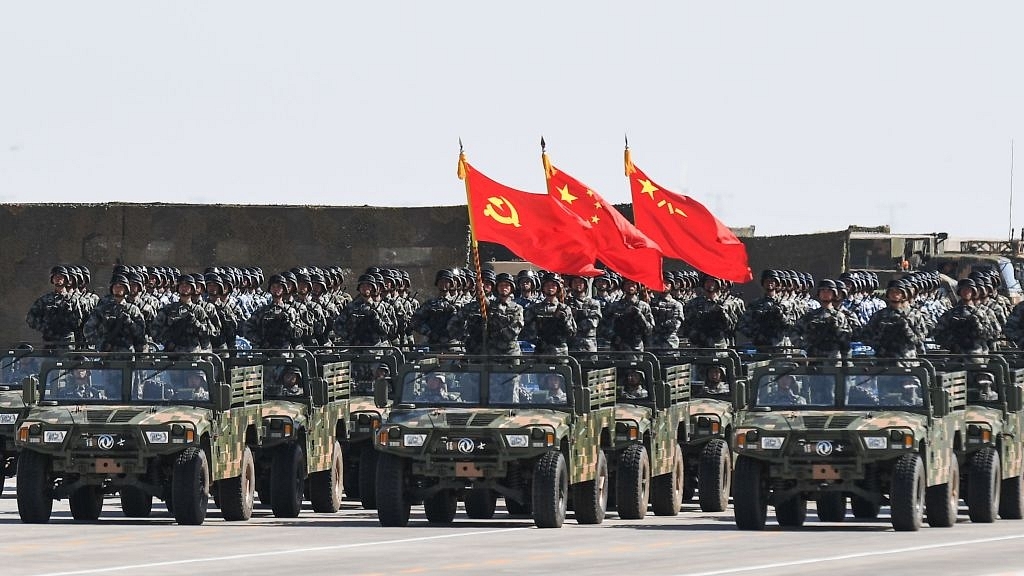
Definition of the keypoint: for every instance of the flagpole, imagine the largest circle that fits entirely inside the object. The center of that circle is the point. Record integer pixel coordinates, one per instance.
(474, 247)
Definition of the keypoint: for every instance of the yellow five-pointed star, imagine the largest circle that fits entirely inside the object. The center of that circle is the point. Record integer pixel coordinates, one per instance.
(648, 189)
(566, 197)
(597, 205)
(590, 192)
(594, 219)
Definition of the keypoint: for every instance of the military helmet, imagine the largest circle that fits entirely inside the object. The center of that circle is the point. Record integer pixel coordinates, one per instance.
(368, 279)
(552, 277)
(59, 271)
(86, 275)
(488, 275)
(770, 274)
(186, 279)
(442, 274)
(119, 279)
(827, 284)
(277, 279)
(505, 277)
(213, 278)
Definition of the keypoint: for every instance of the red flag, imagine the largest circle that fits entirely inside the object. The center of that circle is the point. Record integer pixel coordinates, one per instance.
(620, 245)
(685, 229)
(528, 224)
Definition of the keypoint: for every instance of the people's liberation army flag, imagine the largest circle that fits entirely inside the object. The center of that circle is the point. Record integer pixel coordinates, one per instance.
(685, 229)
(620, 245)
(528, 224)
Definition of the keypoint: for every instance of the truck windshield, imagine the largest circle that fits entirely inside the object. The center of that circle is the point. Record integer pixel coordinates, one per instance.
(82, 384)
(170, 384)
(883, 390)
(796, 391)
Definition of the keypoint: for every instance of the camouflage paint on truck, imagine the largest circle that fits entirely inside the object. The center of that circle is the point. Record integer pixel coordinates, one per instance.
(528, 429)
(121, 423)
(15, 366)
(650, 419)
(875, 430)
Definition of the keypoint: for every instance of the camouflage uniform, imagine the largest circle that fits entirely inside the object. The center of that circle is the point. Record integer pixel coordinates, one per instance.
(504, 323)
(768, 321)
(364, 322)
(230, 319)
(586, 312)
(668, 317)
(893, 333)
(824, 333)
(549, 326)
(964, 330)
(1014, 327)
(116, 326)
(57, 317)
(431, 320)
(273, 326)
(710, 323)
(626, 323)
(182, 327)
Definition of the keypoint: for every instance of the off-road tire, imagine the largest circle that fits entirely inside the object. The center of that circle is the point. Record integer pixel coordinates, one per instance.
(480, 503)
(715, 480)
(791, 512)
(983, 486)
(86, 503)
(831, 507)
(34, 488)
(392, 493)
(190, 487)
(668, 490)
(590, 498)
(287, 480)
(326, 486)
(1011, 501)
(368, 478)
(750, 494)
(238, 494)
(135, 503)
(907, 493)
(633, 483)
(441, 507)
(550, 492)
(942, 501)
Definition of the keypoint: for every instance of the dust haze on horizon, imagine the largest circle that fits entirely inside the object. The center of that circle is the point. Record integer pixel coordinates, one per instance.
(792, 117)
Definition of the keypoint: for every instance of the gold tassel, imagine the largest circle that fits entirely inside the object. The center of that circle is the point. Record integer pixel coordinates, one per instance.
(548, 170)
(628, 159)
(462, 166)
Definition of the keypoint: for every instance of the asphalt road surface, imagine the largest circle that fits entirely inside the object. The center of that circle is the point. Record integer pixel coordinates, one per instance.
(351, 542)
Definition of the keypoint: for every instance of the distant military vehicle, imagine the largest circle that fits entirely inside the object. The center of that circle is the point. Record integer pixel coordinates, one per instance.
(532, 429)
(305, 417)
(650, 425)
(175, 427)
(991, 454)
(368, 363)
(877, 430)
(15, 366)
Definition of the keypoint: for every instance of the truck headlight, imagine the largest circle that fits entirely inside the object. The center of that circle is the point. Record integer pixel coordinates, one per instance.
(8, 418)
(771, 442)
(157, 437)
(54, 436)
(517, 440)
(876, 443)
(414, 440)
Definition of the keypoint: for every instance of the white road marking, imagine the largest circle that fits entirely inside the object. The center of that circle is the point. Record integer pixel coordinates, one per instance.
(276, 553)
(855, 555)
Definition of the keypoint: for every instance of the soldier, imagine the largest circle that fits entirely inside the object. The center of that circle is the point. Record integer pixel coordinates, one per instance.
(228, 315)
(825, 332)
(668, 316)
(115, 324)
(633, 388)
(504, 322)
(311, 313)
(291, 381)
(964, 329)
(586, 312)
(769, 320)
(403, 313)
(551, 390)
(274, 325)
(213, 331)
(1014, 327)
(985, 391)
(891, 331)
(365, 321)
(181, 326)
(80, 385)
(526, 282)
(787, 392)
(715, 382)
(549, 324)
(194, 387)
(432, 317)
(910, 394)
(434, 390)
(628, 321)
(710, 320)
(57, 315)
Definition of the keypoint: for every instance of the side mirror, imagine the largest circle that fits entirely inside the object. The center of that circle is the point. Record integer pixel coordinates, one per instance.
(380, 392)
(222, 397)
(318, 388)
(740, 395)
(30, 390)
(662, 395)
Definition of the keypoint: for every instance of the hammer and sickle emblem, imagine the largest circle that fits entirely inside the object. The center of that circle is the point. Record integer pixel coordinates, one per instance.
(495, 208)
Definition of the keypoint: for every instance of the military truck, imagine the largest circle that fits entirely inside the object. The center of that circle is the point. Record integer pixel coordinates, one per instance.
(875, 429)
(991, 455)
(15, 365)
(175, 427)
(304, 419)
(651, 417)
(368, 363)
(533, 429)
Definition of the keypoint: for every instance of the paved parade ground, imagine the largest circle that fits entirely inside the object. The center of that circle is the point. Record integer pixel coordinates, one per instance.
(351, 542)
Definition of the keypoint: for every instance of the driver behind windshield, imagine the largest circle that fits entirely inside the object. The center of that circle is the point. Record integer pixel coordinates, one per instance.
(551, 391)
(434, 390)
(787, 392)
(291, 381)
(194, 388)
(910, 394)
(79, 385)
(634, 388)
(861, 394)
(714, 381)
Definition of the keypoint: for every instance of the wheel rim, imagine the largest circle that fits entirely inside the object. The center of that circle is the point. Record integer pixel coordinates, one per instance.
(678, 480)
(249, 487)
(563, 488)
(919, 497)
(645, 482)
(336, 486)
(726, 477)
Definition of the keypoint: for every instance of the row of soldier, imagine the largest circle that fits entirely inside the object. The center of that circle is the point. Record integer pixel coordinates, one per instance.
(159, 308)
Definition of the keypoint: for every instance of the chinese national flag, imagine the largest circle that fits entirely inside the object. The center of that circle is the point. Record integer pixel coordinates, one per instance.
(620, 245)
(529, 225)
(685, 229)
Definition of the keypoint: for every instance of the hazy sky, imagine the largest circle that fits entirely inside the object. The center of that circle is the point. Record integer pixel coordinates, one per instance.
(789, 116)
